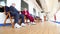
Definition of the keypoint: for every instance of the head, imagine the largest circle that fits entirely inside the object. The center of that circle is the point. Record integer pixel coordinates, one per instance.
(25, 9)
(13, 4)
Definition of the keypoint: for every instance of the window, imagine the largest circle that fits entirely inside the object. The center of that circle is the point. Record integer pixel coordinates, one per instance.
(42, 11)
(3, 2)
(39, 14)
(34, 11)
(23, 5)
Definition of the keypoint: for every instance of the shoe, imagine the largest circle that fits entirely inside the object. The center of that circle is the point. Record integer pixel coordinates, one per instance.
(23, 24)
(17, 26)
(28, 21)
(33, 23)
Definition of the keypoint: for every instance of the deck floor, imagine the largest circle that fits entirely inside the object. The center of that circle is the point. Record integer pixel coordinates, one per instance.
(39, 28)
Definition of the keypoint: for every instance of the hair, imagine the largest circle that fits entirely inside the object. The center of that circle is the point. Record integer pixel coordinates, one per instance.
(13, 4)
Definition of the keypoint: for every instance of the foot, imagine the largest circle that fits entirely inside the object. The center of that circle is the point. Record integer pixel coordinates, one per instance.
(23, 24)
(33, 23)
(17, 26)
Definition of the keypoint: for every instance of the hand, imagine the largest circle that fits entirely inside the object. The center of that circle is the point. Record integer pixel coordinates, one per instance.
(25, 13)
(19, 12)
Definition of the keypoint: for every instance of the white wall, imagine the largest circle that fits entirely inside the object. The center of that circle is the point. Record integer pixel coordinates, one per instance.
(33, 4)
(44, 5)
(52, 6)
(2, 18)
(58, 13)
(58, 16)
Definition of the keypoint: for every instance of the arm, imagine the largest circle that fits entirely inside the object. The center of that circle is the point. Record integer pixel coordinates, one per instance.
(28, 13)
(23, 12)
(11, 8)
(6, 9)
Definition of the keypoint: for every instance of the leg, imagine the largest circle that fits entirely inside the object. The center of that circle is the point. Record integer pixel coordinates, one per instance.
(22, 17)
(16, 18)
(30, 18)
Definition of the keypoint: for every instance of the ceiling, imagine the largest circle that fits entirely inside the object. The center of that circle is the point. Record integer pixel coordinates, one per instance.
(58, 0)
(39, 3)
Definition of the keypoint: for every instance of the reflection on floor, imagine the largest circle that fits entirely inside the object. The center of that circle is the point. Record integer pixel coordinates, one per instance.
(39, 28)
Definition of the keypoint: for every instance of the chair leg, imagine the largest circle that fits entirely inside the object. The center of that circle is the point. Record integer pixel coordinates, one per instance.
(11, 21)
(5, 19)
(12, 25)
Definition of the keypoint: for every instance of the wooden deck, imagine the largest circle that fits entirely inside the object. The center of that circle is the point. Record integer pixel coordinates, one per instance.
(39, 28)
